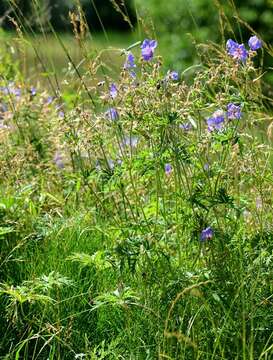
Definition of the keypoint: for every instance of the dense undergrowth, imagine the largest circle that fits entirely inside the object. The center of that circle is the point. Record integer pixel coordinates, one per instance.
(136, 214)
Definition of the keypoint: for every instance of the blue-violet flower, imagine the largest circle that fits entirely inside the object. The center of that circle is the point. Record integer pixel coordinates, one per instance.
(215, 122)
(112, 114)
(234, 111)
(206, 234)
(130, 62)
(237, 51)
(147, 49)
(168, 169)
(255, 43)
(113, 91)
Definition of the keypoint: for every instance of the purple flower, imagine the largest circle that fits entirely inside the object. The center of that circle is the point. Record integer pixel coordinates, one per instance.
(130, 141)
(168, 169)
(16, 92)
(49, 100)
(231, 45)
(130, 62)
(112, 114)
(147, 49)
(215, 122)
(174, 75)
(234, 111)
(132, 74)
(60, 110)
(58, 160)
(206, 167)
(113, 91)
(255, 43)
(237, 51)
(33, 91)
(185, 126)
(5, 90)
(11, 89)
(206, 234)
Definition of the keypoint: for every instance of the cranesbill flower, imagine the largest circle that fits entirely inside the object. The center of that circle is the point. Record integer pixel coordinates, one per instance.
(17, 92)
(58, 160)
(185, 126)
(255, 43)
(60, 110)
(113, 91)
(33, 91)
(206, 234)
(49, 100)
(215, 122)
(168, 169)
(234, 111)
(132, 74)
(231, 45)
(237, 51)
(174, 75)
(206, 167)
(112, 114)
(130, 141)
(147, 49)
(130, 62)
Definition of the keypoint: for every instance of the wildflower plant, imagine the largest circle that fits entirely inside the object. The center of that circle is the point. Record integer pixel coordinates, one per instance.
(158, 190)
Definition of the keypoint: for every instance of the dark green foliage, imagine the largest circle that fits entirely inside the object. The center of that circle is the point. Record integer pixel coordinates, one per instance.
(99, 13)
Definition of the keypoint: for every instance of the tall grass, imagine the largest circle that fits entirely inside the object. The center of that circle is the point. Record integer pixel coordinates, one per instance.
(129, 230)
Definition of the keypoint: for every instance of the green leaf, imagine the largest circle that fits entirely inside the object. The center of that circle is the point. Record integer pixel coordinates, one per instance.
(5, 230)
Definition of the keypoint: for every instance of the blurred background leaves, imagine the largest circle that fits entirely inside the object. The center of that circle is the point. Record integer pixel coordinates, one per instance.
(178, 24)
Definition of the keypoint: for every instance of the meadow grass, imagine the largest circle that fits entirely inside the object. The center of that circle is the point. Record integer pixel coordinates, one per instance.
(136, 207)
(55, 62)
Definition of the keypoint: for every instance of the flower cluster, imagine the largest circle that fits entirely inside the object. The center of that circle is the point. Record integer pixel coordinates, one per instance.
(239, 51)
(11, 89)
(216, 121)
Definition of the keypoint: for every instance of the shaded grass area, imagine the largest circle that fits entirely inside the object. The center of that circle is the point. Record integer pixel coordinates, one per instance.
(52, 61)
